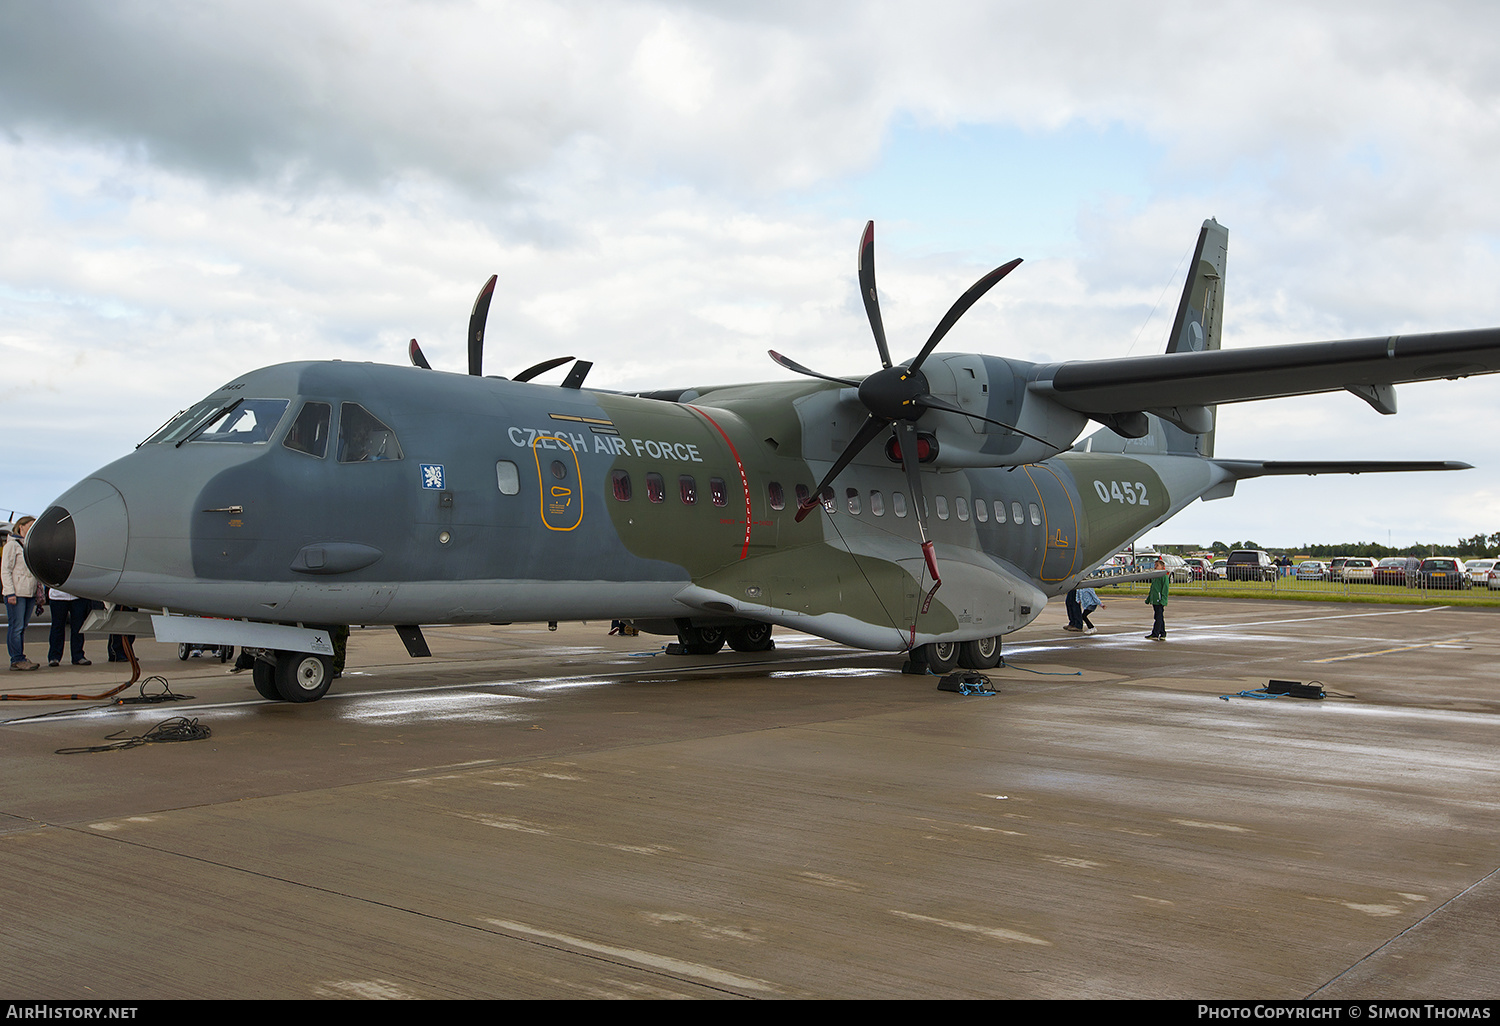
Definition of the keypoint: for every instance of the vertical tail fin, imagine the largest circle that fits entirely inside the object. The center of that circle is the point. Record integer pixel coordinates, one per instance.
(1199, 326)
(1187, 430)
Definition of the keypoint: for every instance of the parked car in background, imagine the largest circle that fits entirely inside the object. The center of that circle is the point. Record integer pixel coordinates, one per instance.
(1197, 566)
(1358, 570)
(1398, 570)
(1336, 568)
(1312, 570)
(1219, 570)
(1250, 565)
(1480, 571)
(1180, 572)
(1441, 572)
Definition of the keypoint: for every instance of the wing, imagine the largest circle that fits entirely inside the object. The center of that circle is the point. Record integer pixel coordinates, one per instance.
(1367, 367)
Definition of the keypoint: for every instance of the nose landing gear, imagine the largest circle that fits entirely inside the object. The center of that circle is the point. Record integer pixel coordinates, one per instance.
(292, 676)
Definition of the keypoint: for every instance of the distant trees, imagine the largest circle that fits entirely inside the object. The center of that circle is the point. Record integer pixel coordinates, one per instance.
(1478, 545)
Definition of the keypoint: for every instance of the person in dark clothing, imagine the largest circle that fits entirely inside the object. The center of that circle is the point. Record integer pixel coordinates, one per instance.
(1156, 598)
(1075, 612)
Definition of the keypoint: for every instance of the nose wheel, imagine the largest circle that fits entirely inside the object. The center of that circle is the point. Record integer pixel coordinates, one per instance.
(293, 676)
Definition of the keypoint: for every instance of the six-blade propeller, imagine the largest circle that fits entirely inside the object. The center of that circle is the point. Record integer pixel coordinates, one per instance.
(897, 395)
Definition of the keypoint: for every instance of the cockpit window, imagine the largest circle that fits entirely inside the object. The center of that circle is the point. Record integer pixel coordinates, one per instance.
(248, 421)
(363, 438)
(182, 425)
(309, 432)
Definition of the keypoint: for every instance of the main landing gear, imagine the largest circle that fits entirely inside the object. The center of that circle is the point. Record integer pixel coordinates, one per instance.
(943, 657)
(754, 637)
(292, 676)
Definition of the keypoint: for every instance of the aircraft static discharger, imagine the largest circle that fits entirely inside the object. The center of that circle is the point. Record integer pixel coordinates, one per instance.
(931, 507)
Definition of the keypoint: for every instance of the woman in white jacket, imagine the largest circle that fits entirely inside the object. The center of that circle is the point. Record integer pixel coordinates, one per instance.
(22, 592)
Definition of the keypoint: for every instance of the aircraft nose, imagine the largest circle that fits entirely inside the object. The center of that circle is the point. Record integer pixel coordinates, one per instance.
(78, 544)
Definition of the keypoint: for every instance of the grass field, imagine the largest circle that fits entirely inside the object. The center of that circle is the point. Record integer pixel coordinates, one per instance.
(1318, 591)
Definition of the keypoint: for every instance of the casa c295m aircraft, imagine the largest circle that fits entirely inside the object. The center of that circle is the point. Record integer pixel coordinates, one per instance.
(930, 507)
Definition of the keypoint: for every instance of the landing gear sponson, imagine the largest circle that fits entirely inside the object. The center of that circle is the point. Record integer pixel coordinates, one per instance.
(700, 638)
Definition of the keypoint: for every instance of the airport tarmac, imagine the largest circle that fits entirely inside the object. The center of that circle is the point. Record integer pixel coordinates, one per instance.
(571, 815)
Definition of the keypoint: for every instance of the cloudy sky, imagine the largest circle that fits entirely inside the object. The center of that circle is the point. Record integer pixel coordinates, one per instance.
(190, 190)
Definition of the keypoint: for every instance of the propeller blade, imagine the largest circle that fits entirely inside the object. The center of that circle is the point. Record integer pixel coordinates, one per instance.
(477, 319)
(418, 359)
(907, 439)
(793, 365)
(959, 308)
(866, 434)
(932, 402)
(867, 291)
(541, 368)
(906, 433)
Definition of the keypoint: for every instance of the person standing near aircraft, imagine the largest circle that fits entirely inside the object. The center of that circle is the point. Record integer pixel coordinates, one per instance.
(1075, 612)
(1157, 600)
(1088, 601)
(23, 594)
(68, 614)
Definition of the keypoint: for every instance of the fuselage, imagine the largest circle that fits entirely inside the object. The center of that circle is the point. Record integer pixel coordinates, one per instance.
(335, 492)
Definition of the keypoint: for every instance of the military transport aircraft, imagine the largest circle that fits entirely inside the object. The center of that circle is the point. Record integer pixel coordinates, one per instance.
(930, 507)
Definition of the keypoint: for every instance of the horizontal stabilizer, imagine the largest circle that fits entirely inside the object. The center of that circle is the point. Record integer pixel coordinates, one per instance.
(1283, 468)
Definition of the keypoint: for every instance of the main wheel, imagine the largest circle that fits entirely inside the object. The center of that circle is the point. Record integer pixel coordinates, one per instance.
(183, 651)
(941, 657)
(702, 640)
(982, 654)
(264, 675)
(302, 676)
(755, 637)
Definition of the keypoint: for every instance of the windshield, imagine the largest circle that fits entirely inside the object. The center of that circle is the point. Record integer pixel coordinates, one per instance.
(250, 421)
(220, 418)
(185, 421)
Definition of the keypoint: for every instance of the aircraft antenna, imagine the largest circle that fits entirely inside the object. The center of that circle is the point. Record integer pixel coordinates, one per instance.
(1170, 279)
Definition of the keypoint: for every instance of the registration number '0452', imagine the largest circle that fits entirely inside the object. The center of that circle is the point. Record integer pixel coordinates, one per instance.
(1122, 491)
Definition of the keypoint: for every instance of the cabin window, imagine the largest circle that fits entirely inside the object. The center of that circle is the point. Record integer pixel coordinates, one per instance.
(776, 494)
(981, 511)
(942, 506)
(827, 499)
(1016, 514)
(508, 477)
(250, 421)
(656, 487)
(802, 496)
(961, 507)
(898, 504)
(717, 491)
(620, 481)
(1036, 515)
(687, 485)
(363, 438)
(309, 432)
(999, 511)
(852, 494)
(877, 504)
